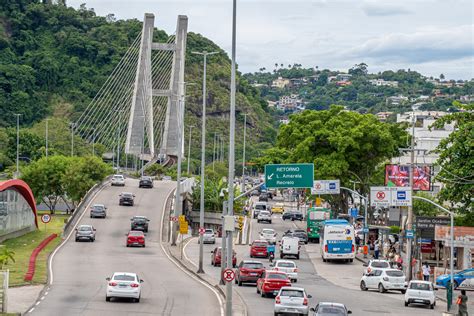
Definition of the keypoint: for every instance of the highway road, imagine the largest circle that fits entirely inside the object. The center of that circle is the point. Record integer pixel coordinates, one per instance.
(80, 268)
(361, 303)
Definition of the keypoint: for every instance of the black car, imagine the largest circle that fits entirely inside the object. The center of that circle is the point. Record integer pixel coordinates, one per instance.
(145, 182)
(301, 234)
(126, 198)
(139, 223)
(292, 215)
(263, 197)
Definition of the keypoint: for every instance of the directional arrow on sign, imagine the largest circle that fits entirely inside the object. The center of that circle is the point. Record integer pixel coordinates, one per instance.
(270, 176)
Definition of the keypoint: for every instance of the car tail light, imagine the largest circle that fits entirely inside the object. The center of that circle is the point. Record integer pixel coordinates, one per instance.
(305, 301)
(277, 300)
(353, 248)
(112, 283)
(325, 248)
(276, 269)
(134, 285)
(385, 279)
(309, 229)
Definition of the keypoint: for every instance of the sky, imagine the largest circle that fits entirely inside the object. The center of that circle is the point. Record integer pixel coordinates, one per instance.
(432, 37)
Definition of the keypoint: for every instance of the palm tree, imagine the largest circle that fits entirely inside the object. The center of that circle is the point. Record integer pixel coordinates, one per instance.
(6, 255)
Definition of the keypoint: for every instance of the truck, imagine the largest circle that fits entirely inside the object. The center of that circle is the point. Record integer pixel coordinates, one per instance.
(314, 219)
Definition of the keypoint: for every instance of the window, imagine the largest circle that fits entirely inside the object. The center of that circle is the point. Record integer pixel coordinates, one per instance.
(292, 293)
(277, 276)
(84, 228)
(377, 272)
(124, 277)
(260, 244)
(331, 310)
(380, 264)
(394, 273)
(253, 265)
(286, 264)
(420, 286)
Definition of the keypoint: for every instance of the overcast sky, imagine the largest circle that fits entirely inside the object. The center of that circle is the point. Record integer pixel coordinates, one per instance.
(430, 36)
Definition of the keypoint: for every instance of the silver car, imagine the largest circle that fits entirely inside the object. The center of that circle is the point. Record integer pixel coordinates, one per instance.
(118, 180)
(330, 309)
(292, 300)
(208, 236)
(98, 210)
(264, 216)
(85, 232)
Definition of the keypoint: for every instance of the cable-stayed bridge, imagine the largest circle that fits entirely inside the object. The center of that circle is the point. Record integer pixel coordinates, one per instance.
(136, 111)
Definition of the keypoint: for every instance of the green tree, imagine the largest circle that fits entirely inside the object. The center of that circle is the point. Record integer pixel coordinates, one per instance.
(422, 208)
(6, 255)
(456, 159)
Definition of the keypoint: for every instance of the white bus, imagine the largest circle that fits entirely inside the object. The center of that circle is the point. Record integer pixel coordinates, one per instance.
(337, 240)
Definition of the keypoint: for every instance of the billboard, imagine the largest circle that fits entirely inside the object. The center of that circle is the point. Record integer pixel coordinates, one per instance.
(398, 176)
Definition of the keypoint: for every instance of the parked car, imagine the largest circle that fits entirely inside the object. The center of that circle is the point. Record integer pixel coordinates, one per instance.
(98, 210)
(292, 215)
(126, 198)
(118, 180)
(145, 182)
(264, 216)
(258, 248)
(135, 238)
(287, 266)
(302, 235)
(290, 246)
(269, 235)
(271, 282)
(463, 279)
(420, 292)
(209, 237)
(123, 285)
(376, 264)
(85, 232)
(330, 309)
(139, 223)
(278, 208)
(248, 271)
(383, 280)
(216, 257)
(259, 206)
(291, 300)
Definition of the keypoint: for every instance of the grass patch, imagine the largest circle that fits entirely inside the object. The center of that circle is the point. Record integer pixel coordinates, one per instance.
(24, 245)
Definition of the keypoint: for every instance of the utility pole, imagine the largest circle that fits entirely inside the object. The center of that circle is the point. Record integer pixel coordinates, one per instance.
(243, 155)
(189, 148)
(230, 206)
(17, 146)
(203, 156)
(46, 146)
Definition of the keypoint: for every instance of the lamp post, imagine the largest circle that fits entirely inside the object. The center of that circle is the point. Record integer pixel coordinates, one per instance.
(189, 147)
(73, 125)
(17, 145)
(46, 136)
(203, 155)
(214, 151)
(243, 154)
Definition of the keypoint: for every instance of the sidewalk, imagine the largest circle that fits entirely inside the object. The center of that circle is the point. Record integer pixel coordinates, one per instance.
(21, 298)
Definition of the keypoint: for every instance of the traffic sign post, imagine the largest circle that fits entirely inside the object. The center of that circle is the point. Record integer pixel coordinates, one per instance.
(390, 196)
(326, 187)
(229, 275)
(409, 234)
(174, 218)
(201, 231)
(289, 175)
(354, 212)
(45, 218)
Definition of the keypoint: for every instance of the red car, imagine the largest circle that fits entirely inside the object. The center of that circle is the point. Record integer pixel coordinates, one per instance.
(216, 257)
(248, 271)
(135, 238)
(271, 282)
(259, 249)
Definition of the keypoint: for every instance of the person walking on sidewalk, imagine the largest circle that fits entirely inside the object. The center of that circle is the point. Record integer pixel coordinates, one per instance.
(376, 249)
(426, 271)
(462, 303)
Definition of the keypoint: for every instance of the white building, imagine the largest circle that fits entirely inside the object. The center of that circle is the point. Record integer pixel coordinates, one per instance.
(396, 100)
(381, 82)
(280, 83)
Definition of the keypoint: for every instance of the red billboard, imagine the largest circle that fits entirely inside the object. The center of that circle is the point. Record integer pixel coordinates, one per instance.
(398, 176)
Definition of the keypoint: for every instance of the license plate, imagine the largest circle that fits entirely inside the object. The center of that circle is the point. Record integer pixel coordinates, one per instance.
(419, 301)
(253, 274)
(260, 253)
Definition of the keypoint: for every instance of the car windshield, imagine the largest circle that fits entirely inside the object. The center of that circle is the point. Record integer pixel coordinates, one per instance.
(118, 176)
(299, 231)
(380, 264)
(128, 195)
(139, 220)
(98, 207)
(253, 265)
(124, 277)
(260, 244)
(209, 231)
(331, 311)
(268, 231)
(84, 228)
(286, 264)
(420, 286)
(395, 273)
(260, 207)
(292, 293)
(276, 276)
(265, 213)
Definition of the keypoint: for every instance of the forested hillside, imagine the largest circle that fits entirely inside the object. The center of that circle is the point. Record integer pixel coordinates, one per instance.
(53, 60)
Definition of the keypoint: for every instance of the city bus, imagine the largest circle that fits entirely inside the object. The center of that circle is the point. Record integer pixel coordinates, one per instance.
(337, 240)
(314, 218)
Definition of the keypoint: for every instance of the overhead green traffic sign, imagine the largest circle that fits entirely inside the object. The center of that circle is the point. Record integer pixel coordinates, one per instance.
(299, 175)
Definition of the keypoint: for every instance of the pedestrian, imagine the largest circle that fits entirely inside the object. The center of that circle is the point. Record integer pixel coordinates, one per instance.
(399, 261)
(462, 304)
(376, 249)
(357, 241)
(426, 271)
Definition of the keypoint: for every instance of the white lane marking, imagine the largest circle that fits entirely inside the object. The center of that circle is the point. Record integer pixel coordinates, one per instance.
(42, 298)
(184, 251)
(67, 238)
(46, 293)
(31, 310)
(221, 302)
(37, 303)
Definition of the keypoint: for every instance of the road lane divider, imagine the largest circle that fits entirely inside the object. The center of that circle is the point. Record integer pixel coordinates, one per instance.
(34, 254)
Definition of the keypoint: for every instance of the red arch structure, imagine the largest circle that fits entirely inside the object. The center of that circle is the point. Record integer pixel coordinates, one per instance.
(24, 190)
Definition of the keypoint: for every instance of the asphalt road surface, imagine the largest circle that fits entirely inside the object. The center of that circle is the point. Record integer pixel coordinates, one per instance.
(80, 268)
(361, 303)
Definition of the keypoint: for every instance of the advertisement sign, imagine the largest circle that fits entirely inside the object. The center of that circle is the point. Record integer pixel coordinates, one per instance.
(398, 176)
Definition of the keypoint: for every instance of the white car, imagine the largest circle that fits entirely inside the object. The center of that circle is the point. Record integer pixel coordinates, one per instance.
(269, 235)
(208, 236)
(420, 292)
(287, 266)
(383, 280)
(264, 216)
(291, 300)
(376, 264)
(118, 180)
(124, 285)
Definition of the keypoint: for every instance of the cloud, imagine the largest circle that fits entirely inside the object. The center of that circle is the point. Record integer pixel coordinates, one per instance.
(420, 46)
(378, 9)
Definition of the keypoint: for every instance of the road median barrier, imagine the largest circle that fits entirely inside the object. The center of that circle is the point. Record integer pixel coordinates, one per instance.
(32, 263)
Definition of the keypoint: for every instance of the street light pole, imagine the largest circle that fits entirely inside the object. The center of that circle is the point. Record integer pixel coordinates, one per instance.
(230, 206)
(72, 139)
(203, 156)
(243, 154)
(17, 145)
(214, 151)
(189, 148)
(46, 145)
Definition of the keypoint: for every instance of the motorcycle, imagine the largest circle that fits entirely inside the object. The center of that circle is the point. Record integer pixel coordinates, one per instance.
(271, 256)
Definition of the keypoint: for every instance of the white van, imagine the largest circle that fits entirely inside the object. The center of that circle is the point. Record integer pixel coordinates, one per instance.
(290, 246)
(259, 206)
